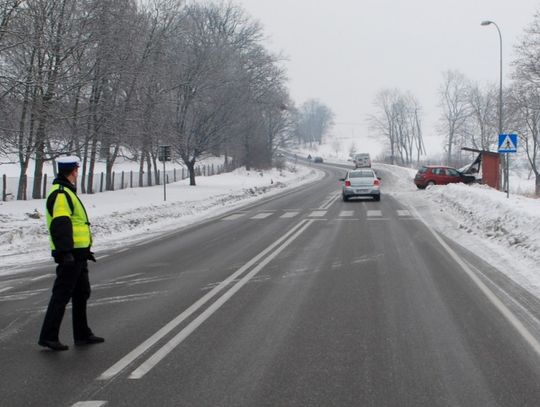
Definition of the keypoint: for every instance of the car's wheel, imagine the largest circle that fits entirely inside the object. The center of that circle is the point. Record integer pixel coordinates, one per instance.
(345, 199)
(430, 183)
(376, 198)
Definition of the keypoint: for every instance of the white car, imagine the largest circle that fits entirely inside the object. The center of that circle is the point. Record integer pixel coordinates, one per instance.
(362, 160)
(361, 182)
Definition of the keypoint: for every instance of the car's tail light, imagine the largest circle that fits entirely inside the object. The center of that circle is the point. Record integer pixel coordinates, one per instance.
(347, 183)
(376, 182)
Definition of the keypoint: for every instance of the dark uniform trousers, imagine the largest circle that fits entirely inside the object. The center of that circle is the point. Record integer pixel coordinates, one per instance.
(71, 283)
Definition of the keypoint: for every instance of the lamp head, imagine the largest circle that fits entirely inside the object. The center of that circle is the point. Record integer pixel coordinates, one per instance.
(486, 22)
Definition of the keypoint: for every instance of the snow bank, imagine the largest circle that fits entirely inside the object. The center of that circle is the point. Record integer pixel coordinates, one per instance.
(127, 216)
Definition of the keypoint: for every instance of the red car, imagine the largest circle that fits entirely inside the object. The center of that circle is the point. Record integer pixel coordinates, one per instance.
(440, 175)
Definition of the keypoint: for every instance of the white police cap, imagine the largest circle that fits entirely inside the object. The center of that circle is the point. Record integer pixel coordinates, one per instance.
(68, 162)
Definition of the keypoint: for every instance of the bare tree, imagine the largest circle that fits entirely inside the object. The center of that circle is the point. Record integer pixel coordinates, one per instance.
(399, 121)
(483, 115)
(314, 121)
(525, 99)
(455, 111)
(110, 78)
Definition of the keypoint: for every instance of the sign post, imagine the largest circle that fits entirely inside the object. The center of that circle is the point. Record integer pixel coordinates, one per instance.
(507, 144)
(164, 155)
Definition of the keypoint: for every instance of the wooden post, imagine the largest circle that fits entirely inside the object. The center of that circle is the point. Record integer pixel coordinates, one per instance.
(101, 183)
(182, 173)
(131, 179)
(112, 182)
(174, 174)
(122, 184)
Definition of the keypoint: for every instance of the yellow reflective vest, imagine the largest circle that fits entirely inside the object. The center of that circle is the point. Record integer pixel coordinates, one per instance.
(67, 203)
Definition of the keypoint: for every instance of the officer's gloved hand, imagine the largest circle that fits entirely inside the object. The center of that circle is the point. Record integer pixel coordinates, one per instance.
(91, 257)
(68, 259)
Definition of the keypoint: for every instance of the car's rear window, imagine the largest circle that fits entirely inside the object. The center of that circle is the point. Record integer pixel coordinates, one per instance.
(422, 170)
(360, 174)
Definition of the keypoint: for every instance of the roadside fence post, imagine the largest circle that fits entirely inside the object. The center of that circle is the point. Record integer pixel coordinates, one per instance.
(122, 184)
(112, 182)
(131, 179)
(101, 183)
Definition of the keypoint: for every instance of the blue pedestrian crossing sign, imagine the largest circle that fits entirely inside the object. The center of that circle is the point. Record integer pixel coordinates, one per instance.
(507, 143)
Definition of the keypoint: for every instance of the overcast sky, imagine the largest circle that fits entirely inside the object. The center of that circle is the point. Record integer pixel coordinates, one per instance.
(343, 52)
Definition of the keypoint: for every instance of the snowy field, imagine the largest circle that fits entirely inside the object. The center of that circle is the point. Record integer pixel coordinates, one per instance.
(504, 232)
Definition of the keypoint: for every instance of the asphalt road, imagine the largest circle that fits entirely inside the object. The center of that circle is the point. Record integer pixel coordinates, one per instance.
(299, 300)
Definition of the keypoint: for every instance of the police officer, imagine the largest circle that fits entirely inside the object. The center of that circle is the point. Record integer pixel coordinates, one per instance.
(70, 239)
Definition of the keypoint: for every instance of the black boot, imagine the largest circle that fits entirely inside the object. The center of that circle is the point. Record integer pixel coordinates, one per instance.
(54, 345)
(89, 340)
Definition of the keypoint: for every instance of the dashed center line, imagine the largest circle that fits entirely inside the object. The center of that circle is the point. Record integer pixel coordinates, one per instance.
(289, 214)
(346, 213)
(262, 215)
(373, 213)
(317, 214)
(403, 212)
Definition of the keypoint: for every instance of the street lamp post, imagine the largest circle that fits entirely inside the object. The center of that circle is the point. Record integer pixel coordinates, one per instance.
(488, 22)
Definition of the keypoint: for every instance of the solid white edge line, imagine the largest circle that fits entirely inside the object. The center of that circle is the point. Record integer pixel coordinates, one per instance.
(5, 289)
(94, 403)
(152, 340)
(503, 309)
(193, 325)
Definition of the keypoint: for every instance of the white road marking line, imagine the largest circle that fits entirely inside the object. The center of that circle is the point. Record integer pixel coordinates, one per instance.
(346, 213)
(193, 325)
(262, 215)
(372, 213)
(317, 214)
(403, 212)
(122, 250)
(234, 216)
(5, 289)
(289, 214)
(503, 309)
(330, 201)
(42, 277)
(165, 330)
(95, 403)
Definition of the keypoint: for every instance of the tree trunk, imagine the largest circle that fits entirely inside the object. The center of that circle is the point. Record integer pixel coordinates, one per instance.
(149, 169)
(191, 170)
(91, 167)
(141, 169)
(39, 159)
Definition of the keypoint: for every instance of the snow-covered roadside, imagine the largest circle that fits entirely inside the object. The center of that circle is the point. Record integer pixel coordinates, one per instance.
(126, 216)
(505, 232)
